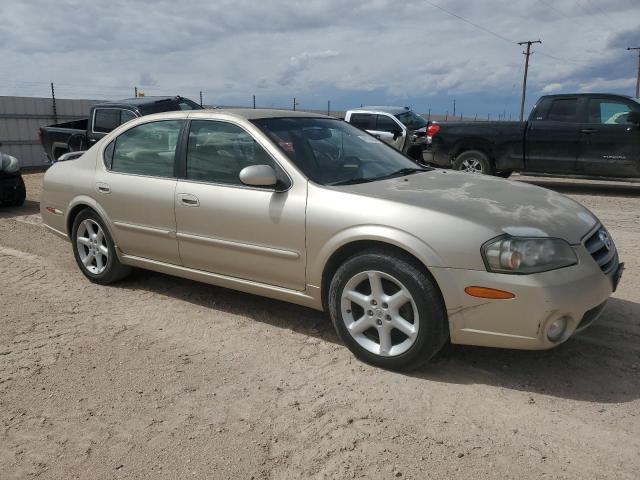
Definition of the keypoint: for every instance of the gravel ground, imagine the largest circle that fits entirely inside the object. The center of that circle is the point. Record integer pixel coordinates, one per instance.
(158, 377)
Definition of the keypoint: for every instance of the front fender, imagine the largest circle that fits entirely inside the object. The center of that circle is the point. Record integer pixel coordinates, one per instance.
(379, 233)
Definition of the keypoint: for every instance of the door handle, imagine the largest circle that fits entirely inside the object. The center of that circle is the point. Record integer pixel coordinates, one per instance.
(188, 200)
(103, 188)
(92, 140)
(589, 130)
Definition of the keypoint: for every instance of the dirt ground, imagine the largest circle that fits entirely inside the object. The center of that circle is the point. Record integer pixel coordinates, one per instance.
(158, 377)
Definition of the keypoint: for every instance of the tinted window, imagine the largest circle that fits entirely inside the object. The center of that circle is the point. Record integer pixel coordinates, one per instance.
(608, 112)
(218, 151)
(148, 149)
(411, 120)
(563, 110)
(365, 121)
(386, 124)
(106, 119)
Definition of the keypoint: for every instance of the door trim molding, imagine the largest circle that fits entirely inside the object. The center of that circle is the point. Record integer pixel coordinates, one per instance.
(144, 229)
(276, 252)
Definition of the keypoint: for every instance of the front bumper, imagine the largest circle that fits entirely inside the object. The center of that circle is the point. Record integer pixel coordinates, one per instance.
(577, 293)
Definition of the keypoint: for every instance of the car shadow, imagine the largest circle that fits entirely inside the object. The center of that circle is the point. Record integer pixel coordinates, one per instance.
(588, 187)
(601, 364)
(28, 208)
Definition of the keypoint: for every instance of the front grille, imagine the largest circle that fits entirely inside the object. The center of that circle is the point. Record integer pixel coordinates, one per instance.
(601, 247)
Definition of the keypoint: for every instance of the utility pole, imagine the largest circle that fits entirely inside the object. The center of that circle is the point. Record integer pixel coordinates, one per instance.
(454, 108)
(200, 97)
(526, 71)
(294, 104)
(638, 80)
(254, 102)
(135, 91)
(429, 115)
(328, 108)
(55, 107)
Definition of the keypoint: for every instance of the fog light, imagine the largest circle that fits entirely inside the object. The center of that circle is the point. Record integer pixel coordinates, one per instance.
(556, 329)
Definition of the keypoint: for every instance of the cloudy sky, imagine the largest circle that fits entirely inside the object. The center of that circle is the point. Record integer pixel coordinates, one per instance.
(352, 52)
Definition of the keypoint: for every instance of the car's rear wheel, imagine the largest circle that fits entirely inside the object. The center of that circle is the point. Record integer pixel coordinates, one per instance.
(473, 161)
(94, 249)
(19, 194)
(387, 311)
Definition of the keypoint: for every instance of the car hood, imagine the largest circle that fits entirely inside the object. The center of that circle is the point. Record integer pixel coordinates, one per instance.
(504, 206)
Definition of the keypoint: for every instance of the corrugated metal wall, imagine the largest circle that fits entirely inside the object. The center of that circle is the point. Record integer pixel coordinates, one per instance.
(21, 118)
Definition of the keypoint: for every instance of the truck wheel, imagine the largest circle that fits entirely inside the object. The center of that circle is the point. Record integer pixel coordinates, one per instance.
(473, 161)
(387, 311)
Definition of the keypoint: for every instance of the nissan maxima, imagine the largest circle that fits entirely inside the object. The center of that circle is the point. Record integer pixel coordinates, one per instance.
(311, 210)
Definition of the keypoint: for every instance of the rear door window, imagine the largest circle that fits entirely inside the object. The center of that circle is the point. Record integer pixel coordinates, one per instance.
(563, 110)
(148, 149)
(365, 121)
(106, 119)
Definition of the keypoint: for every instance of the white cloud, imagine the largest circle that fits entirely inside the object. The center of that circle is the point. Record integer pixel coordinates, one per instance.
(383, 50)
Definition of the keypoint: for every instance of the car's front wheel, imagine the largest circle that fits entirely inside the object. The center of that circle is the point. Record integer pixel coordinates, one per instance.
(388, 311)
(94, 249)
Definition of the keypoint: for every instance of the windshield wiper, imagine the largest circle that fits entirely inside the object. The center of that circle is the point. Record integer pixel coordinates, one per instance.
(398, 173)
(402, 172)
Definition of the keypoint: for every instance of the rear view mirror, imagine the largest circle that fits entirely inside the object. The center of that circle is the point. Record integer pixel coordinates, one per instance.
(259, 176)
(633, 117)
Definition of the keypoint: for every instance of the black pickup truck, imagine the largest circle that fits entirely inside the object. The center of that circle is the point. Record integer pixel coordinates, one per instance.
(81, 134)
(583, 135)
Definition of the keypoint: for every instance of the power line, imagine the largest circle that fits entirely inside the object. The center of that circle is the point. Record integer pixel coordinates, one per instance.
(480, 27)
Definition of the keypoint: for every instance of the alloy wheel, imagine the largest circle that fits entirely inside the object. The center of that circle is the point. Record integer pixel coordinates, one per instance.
(379, 313)
(92, 247)
(471, 165)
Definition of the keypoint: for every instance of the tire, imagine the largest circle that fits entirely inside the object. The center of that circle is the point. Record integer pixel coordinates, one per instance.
(95, 254)
(19, 194)
(370, 319)
(506, 174)
(474, 161)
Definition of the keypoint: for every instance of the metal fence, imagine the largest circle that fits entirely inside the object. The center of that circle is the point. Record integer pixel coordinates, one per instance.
(22, 117)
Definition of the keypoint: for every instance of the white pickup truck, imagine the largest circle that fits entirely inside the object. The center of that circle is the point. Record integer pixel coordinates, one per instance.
(400, 127)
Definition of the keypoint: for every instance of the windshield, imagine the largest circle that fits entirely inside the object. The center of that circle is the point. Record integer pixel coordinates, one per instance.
(411, 120)
(332, 152)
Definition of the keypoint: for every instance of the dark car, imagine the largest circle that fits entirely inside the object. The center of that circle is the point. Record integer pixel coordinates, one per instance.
(81, 134)
(12, 189)
(583, 135)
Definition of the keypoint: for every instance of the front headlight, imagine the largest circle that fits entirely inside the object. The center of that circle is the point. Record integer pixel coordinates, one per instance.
(8, 163)
(527, 255)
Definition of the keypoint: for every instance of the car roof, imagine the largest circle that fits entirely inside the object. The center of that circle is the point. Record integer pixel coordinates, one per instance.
(381, 108)
(259, 113)
(560, 95)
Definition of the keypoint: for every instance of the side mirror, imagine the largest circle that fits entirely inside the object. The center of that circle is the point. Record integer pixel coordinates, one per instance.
(259, 176)
(634, 117)
(397, 133)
